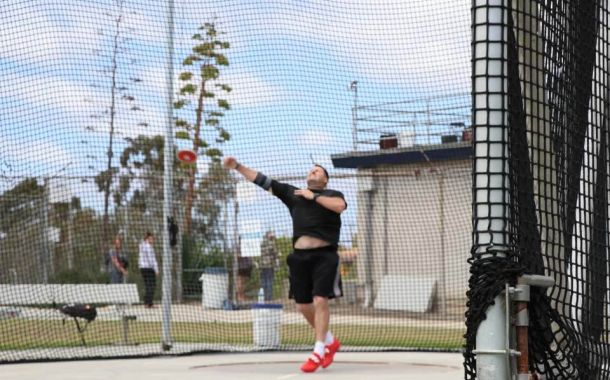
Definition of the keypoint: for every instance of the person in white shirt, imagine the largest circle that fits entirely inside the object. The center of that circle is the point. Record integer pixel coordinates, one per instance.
(147, 262)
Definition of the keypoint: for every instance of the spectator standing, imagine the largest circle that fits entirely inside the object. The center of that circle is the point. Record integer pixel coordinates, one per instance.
(147, 262)
(117, 263)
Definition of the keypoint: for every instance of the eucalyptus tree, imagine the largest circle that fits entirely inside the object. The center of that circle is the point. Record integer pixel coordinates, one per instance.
(200, 105)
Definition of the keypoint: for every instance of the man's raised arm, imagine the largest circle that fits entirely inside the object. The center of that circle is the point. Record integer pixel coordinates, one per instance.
(251, 175)
(231, 163)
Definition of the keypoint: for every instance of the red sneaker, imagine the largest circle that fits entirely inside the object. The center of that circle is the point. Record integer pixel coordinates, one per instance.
(312, 363)
(329, 353)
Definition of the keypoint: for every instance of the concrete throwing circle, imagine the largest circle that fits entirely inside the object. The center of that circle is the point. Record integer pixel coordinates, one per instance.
(354, 369)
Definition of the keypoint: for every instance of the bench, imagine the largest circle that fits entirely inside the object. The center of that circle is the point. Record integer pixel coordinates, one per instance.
(60, 294)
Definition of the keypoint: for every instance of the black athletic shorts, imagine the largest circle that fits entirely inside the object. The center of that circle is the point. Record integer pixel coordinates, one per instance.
(314, 272)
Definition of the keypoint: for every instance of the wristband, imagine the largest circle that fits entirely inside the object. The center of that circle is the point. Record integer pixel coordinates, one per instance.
(237, 165)
(315, 197)
(262, 181)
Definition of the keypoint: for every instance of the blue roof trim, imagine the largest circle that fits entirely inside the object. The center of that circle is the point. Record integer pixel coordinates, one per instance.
(354, 160)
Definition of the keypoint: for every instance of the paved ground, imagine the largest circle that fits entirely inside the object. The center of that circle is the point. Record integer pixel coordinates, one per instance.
(250, 366)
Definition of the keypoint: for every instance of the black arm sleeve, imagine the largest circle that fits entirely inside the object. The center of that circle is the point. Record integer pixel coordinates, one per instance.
(262, 180)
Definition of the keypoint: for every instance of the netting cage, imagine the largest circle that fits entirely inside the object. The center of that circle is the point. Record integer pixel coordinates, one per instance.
(98, 99)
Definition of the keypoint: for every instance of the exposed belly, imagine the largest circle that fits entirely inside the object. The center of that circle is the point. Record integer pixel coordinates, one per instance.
(310, 242)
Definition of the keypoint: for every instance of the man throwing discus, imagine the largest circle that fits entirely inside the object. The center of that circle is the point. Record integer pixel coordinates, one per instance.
(314, 263)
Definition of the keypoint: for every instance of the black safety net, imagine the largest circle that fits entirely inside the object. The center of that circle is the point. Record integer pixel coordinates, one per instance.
(549, 100)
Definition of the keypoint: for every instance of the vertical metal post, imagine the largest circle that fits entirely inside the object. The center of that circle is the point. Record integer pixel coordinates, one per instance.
(520, 294)
(71, 212)
(441, 186)
(167, 185)
(385, 224)
(236, 249)
(125, 226)
(366, 186)
(368, 300)
(354, 87)
(521, 332)
(125, 329)
(45, 264)
(490, 169)
(428, 120)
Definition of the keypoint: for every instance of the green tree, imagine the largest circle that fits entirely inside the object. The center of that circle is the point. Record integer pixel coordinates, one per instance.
(26, 257)
(198, 99)
(216, 189)
(21, 244)
(141, 193)
(140, 182)
(142, 162)
(20, 204)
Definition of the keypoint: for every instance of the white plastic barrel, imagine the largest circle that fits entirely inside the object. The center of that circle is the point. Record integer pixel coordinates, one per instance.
(266, 324)
(214, 287)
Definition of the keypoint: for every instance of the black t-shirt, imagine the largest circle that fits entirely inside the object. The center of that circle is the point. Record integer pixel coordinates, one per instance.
(308, 217)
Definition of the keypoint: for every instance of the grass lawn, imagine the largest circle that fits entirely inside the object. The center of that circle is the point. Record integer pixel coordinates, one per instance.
(20, 334)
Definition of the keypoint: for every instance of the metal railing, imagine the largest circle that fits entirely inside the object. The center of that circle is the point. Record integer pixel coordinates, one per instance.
(425, 121)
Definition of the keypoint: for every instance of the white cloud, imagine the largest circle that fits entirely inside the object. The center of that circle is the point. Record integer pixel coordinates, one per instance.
(46, 33)
(406, 41)
(413, 43)
(52, 92)
(417, 42)
(28, 33)
(77, 101)
(316, 139)
(414, 40)
(396, 42)
(247, 89)
(247, 192)
(34, 157)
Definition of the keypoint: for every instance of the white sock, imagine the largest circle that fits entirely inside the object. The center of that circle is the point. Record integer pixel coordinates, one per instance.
(329, 338)
(319, 348)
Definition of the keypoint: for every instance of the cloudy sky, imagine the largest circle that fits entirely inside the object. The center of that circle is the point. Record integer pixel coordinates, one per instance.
(291, 64)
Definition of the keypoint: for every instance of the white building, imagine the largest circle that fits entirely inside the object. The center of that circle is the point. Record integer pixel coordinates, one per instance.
(414, 225)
